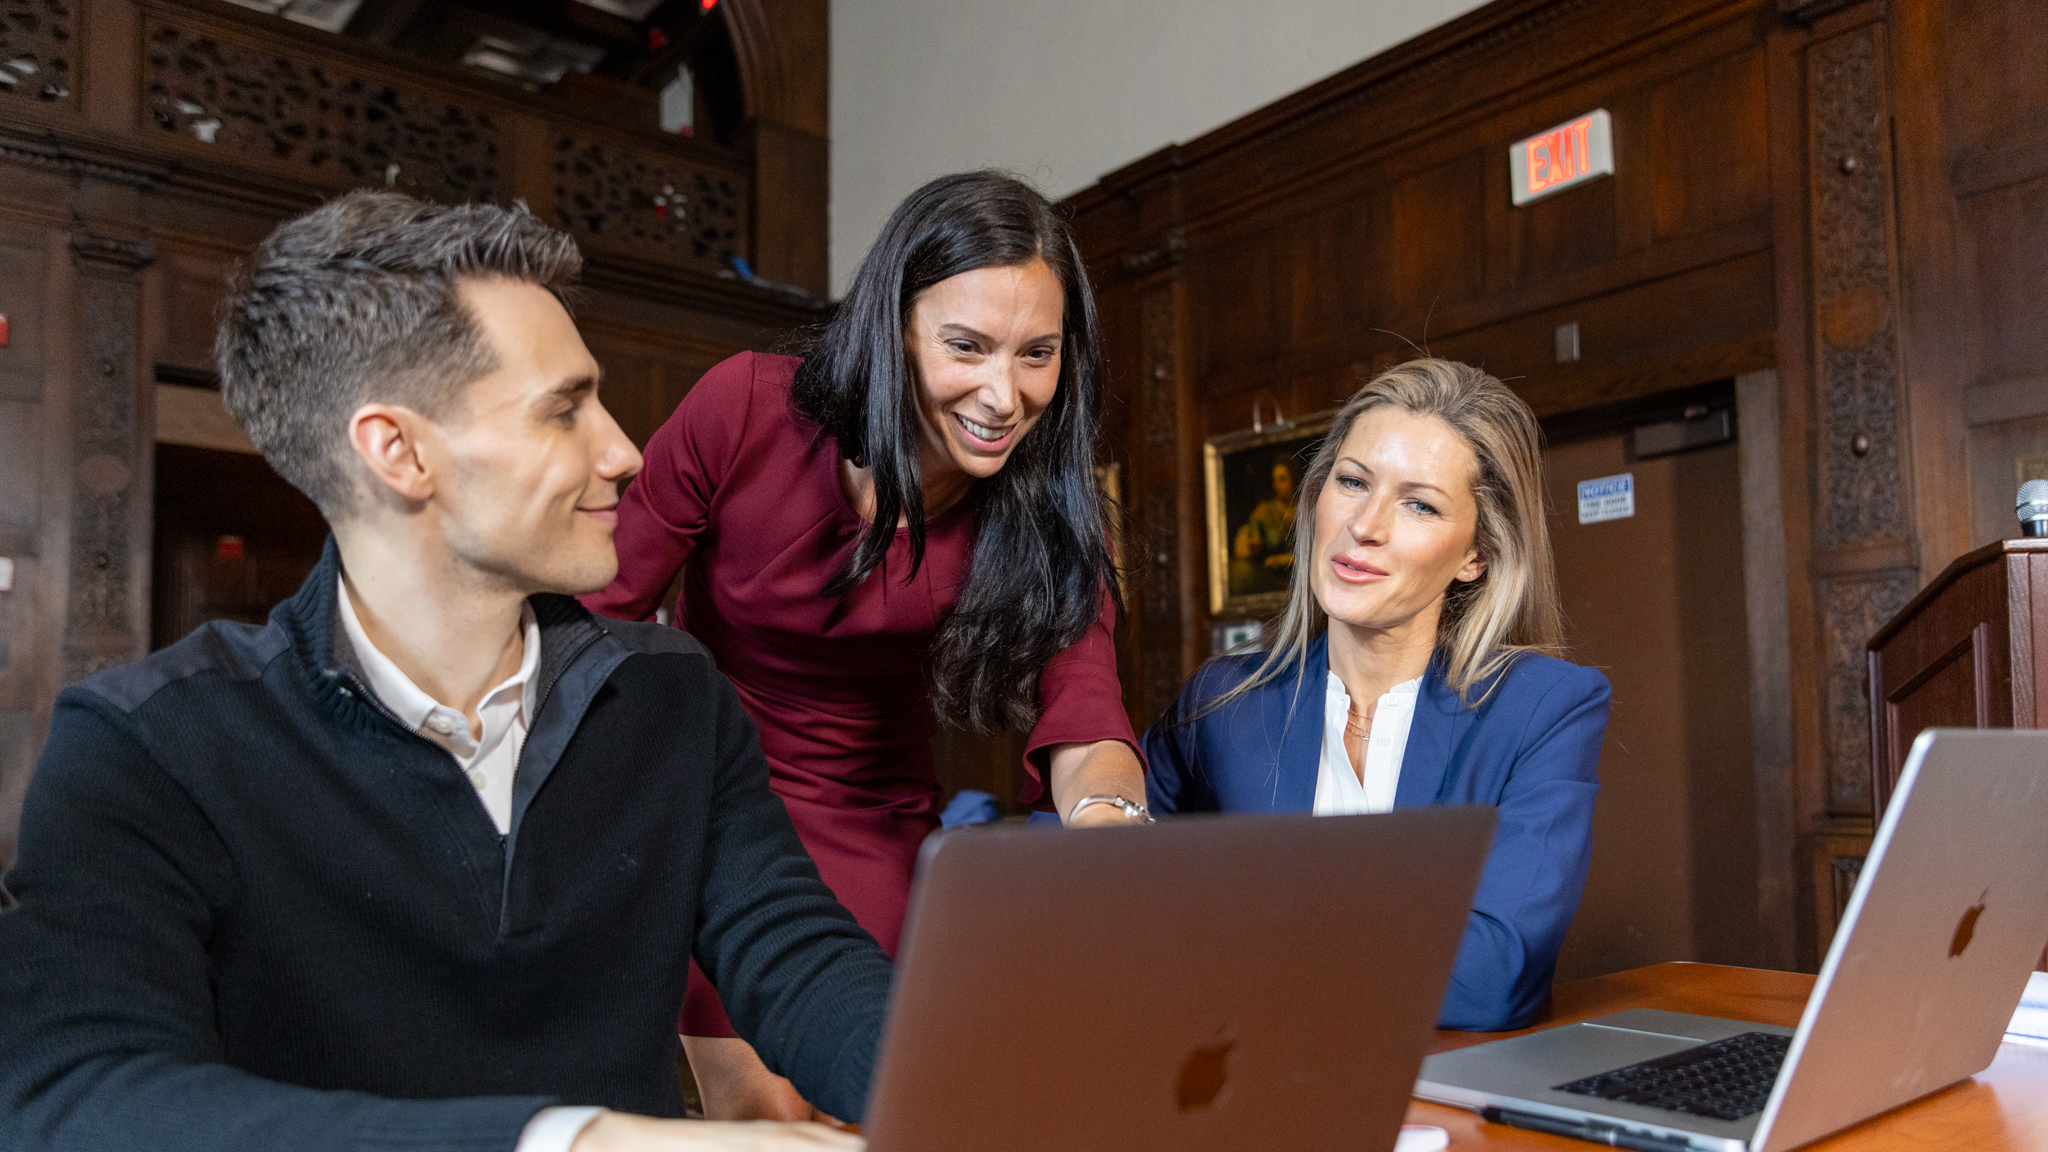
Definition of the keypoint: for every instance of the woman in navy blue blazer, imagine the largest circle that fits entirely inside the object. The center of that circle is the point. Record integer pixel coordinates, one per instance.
(1416, 663)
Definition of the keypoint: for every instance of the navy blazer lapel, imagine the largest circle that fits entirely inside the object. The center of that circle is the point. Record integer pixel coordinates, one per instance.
(1433, 737)
(1301, 746)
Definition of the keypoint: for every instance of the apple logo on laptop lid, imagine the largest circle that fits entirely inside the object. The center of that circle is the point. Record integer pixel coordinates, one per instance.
(1967, 927)
(1205, 1073)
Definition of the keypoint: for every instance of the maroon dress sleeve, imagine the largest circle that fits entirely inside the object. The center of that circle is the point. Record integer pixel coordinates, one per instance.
(668, 504)
(1080, 701)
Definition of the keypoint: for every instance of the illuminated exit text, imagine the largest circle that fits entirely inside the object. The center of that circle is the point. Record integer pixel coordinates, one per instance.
(1567, 155)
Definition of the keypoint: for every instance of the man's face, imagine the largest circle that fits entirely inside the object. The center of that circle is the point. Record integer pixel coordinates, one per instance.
(530, 462)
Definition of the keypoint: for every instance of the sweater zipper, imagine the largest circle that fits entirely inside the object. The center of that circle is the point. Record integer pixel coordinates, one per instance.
(351, 686)
(547, 687)
(540, 700)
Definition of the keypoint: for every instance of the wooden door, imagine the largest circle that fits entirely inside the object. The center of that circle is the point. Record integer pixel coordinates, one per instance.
(1655, 600)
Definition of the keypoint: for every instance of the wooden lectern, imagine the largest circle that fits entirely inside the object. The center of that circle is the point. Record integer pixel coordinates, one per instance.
(1970, 651)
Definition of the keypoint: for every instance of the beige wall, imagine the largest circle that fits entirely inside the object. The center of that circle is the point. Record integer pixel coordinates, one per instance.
(1065, 90)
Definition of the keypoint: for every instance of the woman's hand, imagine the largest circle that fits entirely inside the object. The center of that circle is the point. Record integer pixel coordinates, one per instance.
(1104, 816)
(624, 1132)
(1101, 768)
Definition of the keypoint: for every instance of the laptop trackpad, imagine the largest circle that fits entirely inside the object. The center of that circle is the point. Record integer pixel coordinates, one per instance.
(1529, 1066)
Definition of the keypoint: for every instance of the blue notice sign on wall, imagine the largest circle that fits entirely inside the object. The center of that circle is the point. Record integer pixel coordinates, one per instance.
(1607, 498)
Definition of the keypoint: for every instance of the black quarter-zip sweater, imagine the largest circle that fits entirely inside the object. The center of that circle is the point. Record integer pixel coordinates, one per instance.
(253, 911)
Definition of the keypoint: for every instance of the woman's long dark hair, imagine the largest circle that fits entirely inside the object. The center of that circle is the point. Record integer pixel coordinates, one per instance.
(1041, 560)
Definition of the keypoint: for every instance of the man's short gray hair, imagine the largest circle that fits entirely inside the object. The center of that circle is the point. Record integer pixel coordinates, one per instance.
(356, 302)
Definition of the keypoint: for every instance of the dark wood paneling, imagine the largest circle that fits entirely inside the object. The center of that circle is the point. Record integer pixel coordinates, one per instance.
(791, 224)
(1436, 256)
(1641, 340)
(194, 285)
(21, 298)
(632, 388)
(2006, 233)
(1566, 233)
(1123, 357)
(1328, 251)
(1337, 256)
(1707, 129)
(1955, 691)
(1680, 267)
(2028, 584)
(1638, 341)
(1510, 56)
(647, 373)
(1994, 72)
(1238, 289)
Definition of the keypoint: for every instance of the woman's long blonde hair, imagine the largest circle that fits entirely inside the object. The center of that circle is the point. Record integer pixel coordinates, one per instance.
(1512, 608)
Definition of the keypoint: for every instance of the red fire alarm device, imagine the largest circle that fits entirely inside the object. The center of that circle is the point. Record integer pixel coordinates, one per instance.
(3, 329)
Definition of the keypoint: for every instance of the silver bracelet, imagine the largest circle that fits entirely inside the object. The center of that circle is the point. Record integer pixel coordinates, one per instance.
(1130, 807)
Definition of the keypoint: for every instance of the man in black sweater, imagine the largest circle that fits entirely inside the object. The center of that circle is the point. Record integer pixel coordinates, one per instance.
(421, 863)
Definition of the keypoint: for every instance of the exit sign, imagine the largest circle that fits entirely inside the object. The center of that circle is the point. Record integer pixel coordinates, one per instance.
(1567, 155)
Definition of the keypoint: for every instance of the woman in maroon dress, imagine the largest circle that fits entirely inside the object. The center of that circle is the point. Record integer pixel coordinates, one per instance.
(905, 521)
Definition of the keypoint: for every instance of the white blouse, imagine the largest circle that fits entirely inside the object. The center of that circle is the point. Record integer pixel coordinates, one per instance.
(1339, 790)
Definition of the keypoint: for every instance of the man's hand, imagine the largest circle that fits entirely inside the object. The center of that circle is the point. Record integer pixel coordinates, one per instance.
(624, 1132)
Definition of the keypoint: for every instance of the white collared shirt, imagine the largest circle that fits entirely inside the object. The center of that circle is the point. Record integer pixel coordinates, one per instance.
(1339, 790)
(489, 760)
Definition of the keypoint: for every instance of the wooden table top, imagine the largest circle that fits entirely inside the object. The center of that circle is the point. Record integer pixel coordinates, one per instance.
(2003, 1107)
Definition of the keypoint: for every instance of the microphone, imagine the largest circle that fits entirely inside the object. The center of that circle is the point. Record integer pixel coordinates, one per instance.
(2032, 508)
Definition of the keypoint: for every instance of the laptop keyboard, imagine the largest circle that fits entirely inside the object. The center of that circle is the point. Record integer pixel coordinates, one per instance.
(1725, 1080)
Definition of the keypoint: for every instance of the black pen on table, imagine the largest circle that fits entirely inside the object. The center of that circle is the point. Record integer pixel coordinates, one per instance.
(1586, 1130)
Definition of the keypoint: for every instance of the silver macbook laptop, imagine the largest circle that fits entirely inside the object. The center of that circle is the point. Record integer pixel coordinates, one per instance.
(1946, 921)
(1211, 983)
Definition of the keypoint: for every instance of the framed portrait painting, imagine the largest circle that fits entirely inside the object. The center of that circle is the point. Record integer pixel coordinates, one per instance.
(1250, 479)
